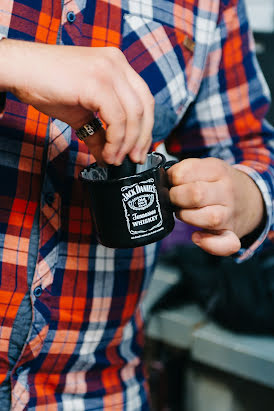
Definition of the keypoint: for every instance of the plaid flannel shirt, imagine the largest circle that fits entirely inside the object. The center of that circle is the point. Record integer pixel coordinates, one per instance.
(197, 56)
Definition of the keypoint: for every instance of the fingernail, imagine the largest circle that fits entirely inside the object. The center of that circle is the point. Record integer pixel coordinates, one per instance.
(144, 158)
(117, 160)
(108, 158)
(136, 155)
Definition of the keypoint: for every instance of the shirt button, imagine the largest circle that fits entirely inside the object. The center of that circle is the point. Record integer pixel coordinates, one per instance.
(71, 17)
(49, 198)
(38, 291)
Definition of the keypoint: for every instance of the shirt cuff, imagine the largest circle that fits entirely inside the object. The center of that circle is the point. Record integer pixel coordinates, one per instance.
(245, 253)
(2, 94)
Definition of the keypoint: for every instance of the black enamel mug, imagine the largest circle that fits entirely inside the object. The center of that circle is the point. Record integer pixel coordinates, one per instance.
(130, 211)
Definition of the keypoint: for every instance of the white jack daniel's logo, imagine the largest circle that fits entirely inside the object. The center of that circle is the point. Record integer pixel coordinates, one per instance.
(142, 208)
(142, 202)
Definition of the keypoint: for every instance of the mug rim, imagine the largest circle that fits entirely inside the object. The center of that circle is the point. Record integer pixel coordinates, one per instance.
(93, 165)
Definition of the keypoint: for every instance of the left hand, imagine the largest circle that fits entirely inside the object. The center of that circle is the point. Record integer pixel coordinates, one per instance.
(223, 202)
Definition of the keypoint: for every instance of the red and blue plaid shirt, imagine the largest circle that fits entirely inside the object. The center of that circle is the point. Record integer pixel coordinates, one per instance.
(197, 56)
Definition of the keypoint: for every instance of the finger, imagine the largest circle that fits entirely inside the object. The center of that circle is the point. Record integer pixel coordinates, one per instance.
(198, 194)
(141, 149)
(224, 243)
(77, 116)
(214, 217)
(146, 150)
(134, 109)
(112, 113)
(195, 169)
(95, 144)
(144, 140)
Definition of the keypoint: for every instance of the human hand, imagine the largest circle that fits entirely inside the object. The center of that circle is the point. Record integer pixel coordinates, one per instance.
(222, 201)
(71, 83)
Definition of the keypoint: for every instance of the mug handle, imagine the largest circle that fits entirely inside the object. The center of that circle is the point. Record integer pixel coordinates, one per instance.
(167, 165)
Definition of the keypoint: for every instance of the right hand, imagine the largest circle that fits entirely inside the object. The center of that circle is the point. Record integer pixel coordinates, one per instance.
(71, 83)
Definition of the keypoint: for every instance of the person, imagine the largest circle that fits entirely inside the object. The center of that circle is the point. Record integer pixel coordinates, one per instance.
(71, 309)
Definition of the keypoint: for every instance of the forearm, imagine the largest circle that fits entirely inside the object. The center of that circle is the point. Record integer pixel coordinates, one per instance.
(15, 68)
(2, 76)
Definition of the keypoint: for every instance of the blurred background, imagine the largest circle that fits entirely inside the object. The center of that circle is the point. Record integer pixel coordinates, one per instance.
(210, 321)
(261, 18)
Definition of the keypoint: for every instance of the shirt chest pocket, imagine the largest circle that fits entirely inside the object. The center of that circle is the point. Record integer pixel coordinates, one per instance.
(163, 56)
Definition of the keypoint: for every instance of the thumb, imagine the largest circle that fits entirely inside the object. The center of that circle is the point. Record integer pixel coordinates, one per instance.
(221, 243)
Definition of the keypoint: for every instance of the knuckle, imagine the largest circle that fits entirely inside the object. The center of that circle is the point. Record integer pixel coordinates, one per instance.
(215, 219)
(114, 53)
(100, 72)
(121, 118)
(175, 175)
(139, 110)
(172, 195)
(197, 194)
(116, 136)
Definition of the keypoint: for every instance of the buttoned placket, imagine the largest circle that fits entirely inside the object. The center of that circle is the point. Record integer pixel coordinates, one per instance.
(50, 203)
(44, 272)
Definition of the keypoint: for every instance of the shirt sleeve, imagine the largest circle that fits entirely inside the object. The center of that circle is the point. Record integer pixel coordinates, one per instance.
(2, 94)
(227, 119)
